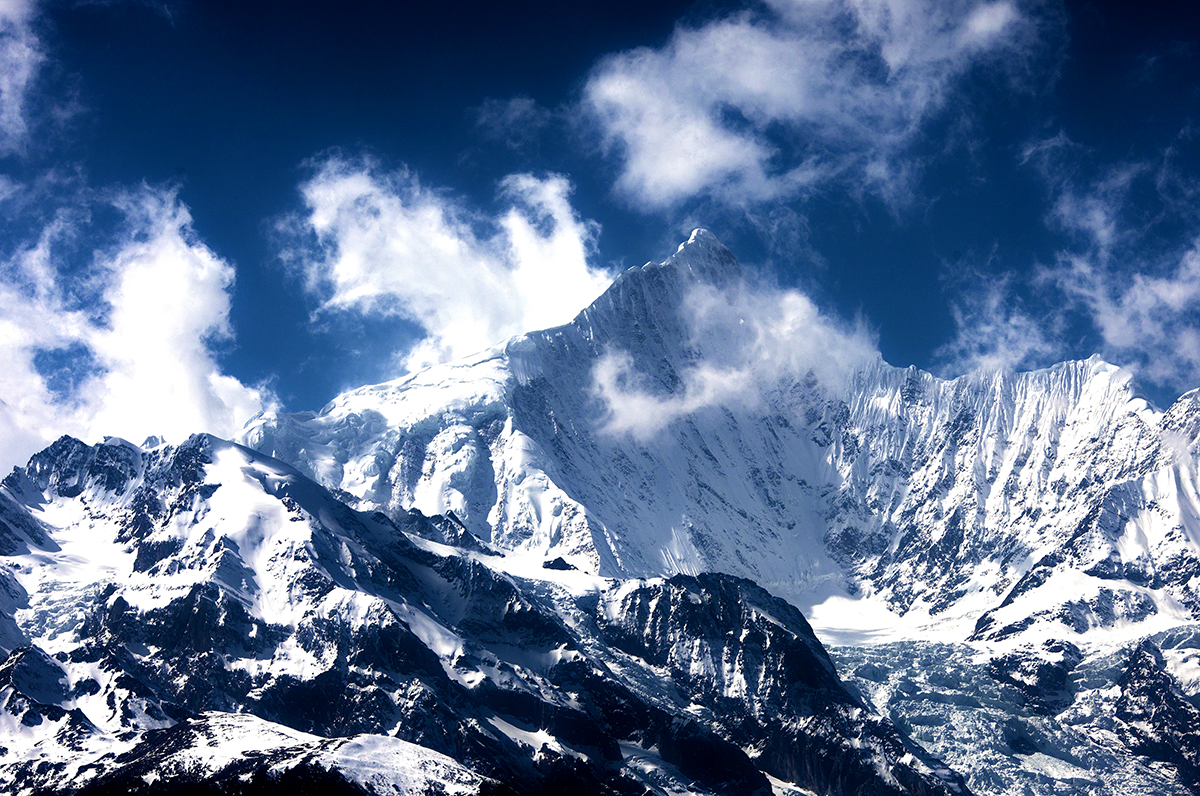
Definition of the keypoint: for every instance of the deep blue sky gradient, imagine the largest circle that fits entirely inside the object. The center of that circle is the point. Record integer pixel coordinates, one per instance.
(231, 100)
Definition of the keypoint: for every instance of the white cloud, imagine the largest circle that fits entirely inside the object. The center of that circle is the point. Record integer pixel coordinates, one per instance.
(1146, 321)
(746, 341)
(385, 244)
(847, 83)
(994, 332)
(137, 330)
(1121, 270)
(1095, 213)
(987, 21)
(20, 58)
(1127, 270)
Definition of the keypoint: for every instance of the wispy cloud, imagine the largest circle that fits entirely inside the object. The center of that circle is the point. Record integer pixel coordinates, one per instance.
(20, 58)
(1133, 265)
(125, 345)
(378, 242)
(744, 341)
(761, 105)
(994, 330)
(1126, 275)
(516, 122)
(1147, 319)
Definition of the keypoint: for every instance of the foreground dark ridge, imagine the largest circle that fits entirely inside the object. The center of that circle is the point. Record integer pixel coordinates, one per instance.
(205, 617)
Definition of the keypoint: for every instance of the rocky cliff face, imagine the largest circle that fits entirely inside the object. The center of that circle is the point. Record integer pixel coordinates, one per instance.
(205, 617)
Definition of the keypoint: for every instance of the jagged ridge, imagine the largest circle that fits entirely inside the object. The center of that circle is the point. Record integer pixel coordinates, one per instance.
(202, 616)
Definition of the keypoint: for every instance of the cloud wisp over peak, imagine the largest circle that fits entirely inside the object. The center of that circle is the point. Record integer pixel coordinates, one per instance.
(746, 340)
(373, 241)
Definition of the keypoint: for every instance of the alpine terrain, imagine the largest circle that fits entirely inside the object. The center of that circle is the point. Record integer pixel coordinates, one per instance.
(476, 580)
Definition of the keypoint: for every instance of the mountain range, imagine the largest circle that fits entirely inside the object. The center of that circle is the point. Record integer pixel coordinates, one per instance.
(857, 580)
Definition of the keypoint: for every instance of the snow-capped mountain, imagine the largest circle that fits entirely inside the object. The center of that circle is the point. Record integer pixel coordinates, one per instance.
(471, 580)
(206, 617)
(991, 506)
(1036, 525)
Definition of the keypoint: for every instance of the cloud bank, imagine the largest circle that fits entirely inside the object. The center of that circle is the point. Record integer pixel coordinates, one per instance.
(760, 106)
(125, 345)
(378, 242)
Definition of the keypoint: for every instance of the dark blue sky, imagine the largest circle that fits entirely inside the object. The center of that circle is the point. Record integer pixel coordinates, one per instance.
(230, 100)
(984, 183)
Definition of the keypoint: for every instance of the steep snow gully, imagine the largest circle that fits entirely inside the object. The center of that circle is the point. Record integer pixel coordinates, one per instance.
(479, 579)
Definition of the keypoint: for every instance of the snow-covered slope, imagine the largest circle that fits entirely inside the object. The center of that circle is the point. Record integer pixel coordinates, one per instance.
(205, 617)
(993, 506)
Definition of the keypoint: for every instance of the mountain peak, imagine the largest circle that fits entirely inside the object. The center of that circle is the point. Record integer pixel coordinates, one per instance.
(644, 301)
(701, 237)
(705, 258)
